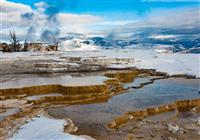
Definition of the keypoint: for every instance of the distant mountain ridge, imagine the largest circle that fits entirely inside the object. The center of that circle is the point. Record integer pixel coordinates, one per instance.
(183, 44)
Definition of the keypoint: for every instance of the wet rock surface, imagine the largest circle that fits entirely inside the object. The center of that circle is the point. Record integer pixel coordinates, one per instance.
(51, 63)
(98, 91)
(164, 126)
(93, 119)
(98, 102)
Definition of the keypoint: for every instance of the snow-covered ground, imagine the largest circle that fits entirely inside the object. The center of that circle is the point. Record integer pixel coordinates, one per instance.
(43, 128)
(172, 63)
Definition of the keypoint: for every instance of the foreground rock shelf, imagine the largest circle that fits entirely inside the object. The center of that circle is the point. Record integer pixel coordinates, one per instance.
(178, 106)
(58, 93)
(181, 124)
(70, 95)
(102, 113)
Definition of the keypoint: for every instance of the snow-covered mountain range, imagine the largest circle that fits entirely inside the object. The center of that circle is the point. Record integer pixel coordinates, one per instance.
(160, 41)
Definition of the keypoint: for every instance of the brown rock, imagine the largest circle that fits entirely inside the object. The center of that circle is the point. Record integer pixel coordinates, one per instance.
(52, 48)
(36, 47)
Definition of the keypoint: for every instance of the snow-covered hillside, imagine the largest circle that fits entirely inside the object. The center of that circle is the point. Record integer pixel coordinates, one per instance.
(171, 42)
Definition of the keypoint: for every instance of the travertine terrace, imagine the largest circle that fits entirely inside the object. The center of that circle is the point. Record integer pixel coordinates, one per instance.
(110, 85)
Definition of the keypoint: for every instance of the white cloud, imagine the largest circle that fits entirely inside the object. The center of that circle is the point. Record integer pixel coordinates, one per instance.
(66, 18)
(168, 18)
(41, 6)
(11, 18)
(182, 18)
(76, 23)
(116, 22)
(11, 12)
(7, 6)
(176, 17)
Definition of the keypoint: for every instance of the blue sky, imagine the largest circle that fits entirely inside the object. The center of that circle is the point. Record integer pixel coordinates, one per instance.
(98, 6)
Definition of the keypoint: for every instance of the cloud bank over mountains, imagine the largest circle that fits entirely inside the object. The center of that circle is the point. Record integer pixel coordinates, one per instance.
(183, 17)
(45, 21)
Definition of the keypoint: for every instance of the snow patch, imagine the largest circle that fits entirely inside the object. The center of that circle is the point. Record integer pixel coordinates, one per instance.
(43, 128)
(77, 45)
(163, 36)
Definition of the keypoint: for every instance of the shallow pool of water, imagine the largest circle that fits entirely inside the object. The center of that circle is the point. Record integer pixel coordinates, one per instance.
(38, 97)
(91, 119)
(139, 80)
(9, 112)
(26, 80)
